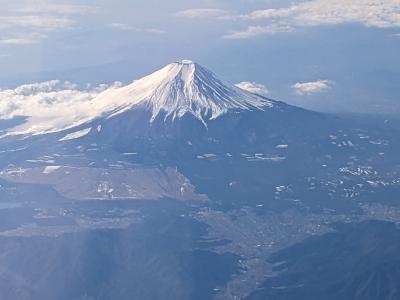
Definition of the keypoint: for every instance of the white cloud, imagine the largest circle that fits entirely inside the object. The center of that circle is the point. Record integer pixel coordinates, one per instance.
(267, 13)
(54, 8)
(370, 13)
(49, 105)
(253, 87)
(22, 39)
(122, 26)
(41, 22)
(202, 13)
(127, 27)
(28, 22)
(44, 87)
(252, 31)
(18, 41)
(309, 88)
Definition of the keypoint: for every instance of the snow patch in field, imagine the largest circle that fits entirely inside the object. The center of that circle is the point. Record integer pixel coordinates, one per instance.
(50, 169)
(76, 135)
(283, 146)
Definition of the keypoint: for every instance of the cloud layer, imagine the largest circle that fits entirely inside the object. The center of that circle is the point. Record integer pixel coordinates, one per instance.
(370, 13)
(202, 13)
(375, 13)
(48, 106)
(24, 22)
(128, 27)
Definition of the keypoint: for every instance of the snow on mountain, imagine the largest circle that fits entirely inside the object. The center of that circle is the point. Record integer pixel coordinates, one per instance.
(181, 88)
(177, 89)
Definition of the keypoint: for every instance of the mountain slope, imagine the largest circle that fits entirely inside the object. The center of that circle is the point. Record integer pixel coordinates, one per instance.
(184, 88)
(178, 89)
(178, 176)
(355, 262)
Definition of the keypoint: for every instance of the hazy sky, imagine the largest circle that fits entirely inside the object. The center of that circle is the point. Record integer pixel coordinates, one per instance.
(330, 55)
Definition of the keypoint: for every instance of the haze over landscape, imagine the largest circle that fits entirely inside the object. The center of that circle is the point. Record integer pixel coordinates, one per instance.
(199, 150)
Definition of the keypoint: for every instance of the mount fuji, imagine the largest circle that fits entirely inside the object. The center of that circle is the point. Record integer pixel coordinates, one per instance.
(183, 88)
(179, 89)
(182, 173)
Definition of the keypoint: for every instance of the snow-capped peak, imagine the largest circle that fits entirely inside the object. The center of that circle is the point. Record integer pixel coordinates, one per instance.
(178, 89)
(185, 88)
